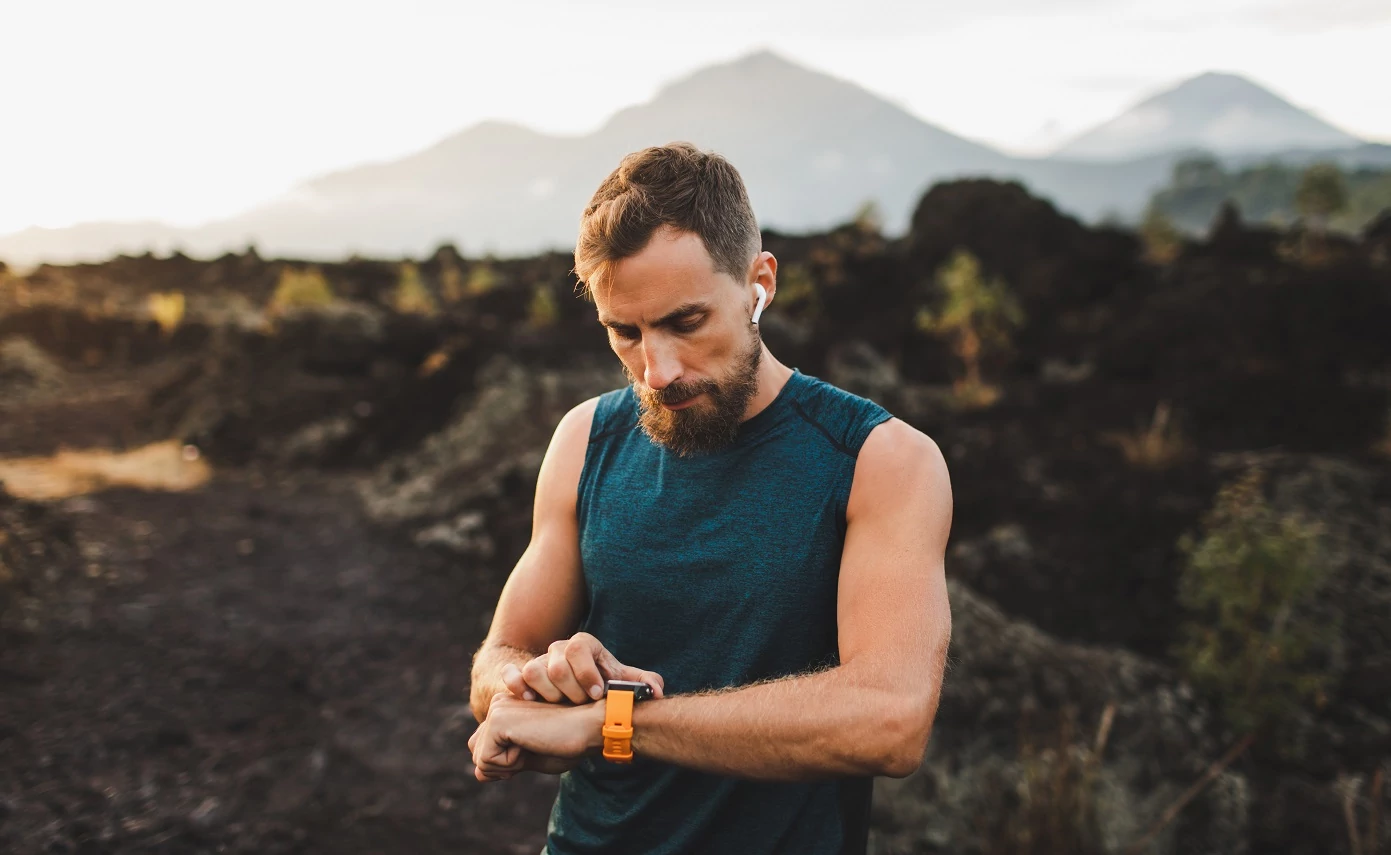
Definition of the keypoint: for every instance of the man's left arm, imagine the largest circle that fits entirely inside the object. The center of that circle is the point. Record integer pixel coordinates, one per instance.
(872, 714)
(869, 715)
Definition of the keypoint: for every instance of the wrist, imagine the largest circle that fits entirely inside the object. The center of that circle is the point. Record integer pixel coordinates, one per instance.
(593, 716)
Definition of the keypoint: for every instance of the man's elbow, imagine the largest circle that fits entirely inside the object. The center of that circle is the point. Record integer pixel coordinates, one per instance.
(479, 709)
(909, 728)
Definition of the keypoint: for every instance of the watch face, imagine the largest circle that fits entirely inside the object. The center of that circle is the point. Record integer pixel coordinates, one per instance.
(641, 691)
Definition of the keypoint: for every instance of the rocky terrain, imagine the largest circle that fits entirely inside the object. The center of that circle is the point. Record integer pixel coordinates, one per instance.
(277, 661)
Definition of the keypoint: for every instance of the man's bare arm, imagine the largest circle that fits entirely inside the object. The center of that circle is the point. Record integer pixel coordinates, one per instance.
(872, 714)
(544, 596)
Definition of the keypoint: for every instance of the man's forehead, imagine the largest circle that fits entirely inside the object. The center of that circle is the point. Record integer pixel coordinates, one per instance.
(672, 270)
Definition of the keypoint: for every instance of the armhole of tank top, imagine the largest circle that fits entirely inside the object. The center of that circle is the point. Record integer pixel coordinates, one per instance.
(872, 418)
(599, 428)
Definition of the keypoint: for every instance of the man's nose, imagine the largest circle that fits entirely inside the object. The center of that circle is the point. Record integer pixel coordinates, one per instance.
(662, 366)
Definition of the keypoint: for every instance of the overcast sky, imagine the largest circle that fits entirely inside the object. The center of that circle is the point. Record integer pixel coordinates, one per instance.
(187, 111)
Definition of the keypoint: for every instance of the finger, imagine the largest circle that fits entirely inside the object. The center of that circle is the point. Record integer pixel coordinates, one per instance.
(516, 684)
(615, 670)
(534, 672)
(580, 657)
(562, 675)
(487, 778)
(500, 768)
(508, 759)
(653, 679)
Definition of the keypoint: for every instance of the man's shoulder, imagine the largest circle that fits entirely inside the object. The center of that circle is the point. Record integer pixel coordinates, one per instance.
(612, 412)
(844, 418)
(897, 458)
(595, 418)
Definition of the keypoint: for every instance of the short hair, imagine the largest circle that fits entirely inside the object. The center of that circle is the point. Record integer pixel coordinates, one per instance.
(674, 185)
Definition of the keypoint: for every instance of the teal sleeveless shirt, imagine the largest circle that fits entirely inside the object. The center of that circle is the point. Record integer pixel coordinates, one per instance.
(716, 570)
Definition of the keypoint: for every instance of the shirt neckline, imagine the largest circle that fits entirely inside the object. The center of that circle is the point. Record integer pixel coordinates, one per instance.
(768, 415)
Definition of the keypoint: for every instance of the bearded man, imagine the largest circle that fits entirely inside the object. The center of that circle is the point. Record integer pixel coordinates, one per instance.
(761, 549)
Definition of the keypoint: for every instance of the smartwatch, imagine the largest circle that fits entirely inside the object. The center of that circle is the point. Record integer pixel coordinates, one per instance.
(619, 697)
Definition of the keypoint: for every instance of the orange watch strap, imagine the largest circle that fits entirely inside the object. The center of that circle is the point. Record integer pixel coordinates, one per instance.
(618, 726)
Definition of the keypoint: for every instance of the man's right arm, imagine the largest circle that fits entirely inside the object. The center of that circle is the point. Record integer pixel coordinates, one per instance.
(544, 596)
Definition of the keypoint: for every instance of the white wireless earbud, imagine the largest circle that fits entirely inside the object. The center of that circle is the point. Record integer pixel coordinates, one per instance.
(762, 298)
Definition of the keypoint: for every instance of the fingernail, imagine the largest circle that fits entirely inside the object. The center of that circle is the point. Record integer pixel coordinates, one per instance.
(530, 696)
(596, 692)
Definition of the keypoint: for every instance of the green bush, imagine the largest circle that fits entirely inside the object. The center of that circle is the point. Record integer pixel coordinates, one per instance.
(411, 295)
(482, 279)
(978, 314)
(299, 289)
(543, 311)
(1248, 638)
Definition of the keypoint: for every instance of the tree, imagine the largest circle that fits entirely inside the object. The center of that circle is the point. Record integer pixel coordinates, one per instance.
(1321, 194)
(868, 218)
(1202, 171)
(1248, 637)
(1159, 235)
(411, 296)
(978, 314)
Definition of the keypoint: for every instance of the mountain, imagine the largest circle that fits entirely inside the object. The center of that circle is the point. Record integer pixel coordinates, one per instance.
(1225, 114)
(811, 148)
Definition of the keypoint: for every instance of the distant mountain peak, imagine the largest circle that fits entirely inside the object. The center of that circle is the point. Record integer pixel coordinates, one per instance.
(762, 66)
(1219, 111)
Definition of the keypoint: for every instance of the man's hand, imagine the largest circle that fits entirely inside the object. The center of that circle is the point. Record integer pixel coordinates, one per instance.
(521, 736)
(573, 669)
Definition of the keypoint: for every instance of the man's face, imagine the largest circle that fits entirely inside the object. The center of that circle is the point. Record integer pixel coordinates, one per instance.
(683, 334)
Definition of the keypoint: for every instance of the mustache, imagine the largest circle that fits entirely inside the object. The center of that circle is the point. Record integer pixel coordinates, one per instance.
(676, 393)
(673, 394)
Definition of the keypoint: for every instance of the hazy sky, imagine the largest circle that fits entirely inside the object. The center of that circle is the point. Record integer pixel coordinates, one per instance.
(185, 111)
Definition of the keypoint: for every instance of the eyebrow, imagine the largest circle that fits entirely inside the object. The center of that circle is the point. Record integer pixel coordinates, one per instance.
(669, 318)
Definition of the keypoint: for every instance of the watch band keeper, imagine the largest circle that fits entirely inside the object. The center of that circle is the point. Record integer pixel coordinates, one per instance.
(618, 744)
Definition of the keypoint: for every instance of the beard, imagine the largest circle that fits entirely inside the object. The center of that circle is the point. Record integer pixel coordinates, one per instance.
(704, 426)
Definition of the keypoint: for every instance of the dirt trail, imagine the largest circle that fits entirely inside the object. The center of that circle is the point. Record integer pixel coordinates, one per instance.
(259, 672)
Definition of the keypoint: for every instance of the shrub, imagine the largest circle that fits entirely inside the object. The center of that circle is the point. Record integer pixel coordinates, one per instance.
(482, 279)
(411, 296)
(167, 310)
(977, 314)
(1050, 809)
(543, 311)
(1161, 238)
(1247, 638)
(1154, 447)
(299, 289)
(452, 285)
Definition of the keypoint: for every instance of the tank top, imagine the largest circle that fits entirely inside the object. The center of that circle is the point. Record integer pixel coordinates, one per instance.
(716, 570)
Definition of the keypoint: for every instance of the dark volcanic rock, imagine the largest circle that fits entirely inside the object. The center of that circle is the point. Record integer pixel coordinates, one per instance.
(25, 368)
(483, 465)
(41, 571)
(1008, 685)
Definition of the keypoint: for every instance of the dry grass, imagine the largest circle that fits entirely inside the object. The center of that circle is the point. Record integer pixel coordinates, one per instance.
(1157, 446)
(1052, 808)
(164, 465)
(968, 396)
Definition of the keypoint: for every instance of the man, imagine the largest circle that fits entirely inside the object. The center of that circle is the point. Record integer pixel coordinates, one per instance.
(761, 548)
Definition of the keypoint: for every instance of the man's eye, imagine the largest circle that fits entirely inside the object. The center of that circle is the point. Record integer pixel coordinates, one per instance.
(627, 334)
(688, 326)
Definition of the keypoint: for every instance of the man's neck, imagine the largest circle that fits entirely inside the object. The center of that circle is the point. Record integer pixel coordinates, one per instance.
(772, 376)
